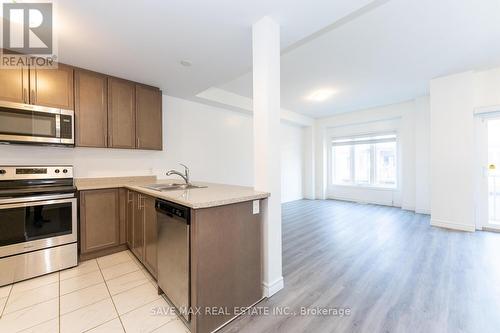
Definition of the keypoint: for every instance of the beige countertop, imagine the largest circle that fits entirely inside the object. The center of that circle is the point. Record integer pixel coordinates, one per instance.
(211, 196)
(83, 184)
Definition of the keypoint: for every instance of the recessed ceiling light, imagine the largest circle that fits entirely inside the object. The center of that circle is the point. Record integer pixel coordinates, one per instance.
(186, 63)
(321, 95)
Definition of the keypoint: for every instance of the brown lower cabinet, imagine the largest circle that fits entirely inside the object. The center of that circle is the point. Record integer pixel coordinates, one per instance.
(138, 226)
(150, 235)
(113, 218)
(226, 263)
(99, 220)
(142, 230)
(225, 248)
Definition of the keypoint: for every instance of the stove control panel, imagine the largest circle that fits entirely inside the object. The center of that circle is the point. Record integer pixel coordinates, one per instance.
(35, 172)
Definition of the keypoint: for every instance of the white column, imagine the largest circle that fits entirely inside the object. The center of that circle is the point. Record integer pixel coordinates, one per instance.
(266, 129)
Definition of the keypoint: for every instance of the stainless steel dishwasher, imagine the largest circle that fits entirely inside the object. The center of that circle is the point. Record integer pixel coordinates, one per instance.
(174, 254)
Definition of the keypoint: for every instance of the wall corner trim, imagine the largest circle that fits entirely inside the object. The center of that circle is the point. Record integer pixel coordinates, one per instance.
(452, 225)
(272, 288)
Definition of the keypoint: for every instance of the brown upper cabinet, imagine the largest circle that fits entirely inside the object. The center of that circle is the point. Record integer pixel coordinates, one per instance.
(52, 87)
(109, 111)
(15, 85)
(91, 109)
(121, 113)
(46, 87)
(148, 117)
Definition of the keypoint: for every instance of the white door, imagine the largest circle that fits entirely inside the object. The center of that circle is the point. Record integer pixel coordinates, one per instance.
(488, 166)
(493, 172)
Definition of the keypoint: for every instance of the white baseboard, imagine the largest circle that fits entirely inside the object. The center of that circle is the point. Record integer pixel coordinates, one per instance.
(452, 225)
(491, 228)
(371, 202)
(292, 199)
(272, 288)
(410, 208)
(423, 211)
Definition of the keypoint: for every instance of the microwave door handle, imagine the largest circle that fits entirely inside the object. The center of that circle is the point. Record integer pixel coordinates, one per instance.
(58, 126)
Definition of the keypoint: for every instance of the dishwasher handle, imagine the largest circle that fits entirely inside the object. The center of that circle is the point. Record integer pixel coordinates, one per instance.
(173, 210)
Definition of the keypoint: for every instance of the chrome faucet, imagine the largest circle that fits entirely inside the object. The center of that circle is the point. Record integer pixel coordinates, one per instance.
(184, 176)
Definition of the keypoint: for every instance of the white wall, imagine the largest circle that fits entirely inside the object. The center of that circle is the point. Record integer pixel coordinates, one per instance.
(454, 174)
(308, 176)
(292, 162)
(487, 87)
(452, 137)
(215, 143)
(422, 155)
(399, 117)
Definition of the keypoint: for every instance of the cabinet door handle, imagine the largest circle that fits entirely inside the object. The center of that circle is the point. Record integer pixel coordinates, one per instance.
(139, 201)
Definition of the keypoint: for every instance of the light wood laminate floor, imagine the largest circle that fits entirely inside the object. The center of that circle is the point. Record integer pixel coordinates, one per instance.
(390, 267)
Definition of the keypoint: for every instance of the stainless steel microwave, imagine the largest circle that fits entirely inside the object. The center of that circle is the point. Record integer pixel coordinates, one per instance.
(33, 124)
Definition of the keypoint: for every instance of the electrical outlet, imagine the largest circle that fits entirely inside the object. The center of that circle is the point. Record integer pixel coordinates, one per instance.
(256, 207)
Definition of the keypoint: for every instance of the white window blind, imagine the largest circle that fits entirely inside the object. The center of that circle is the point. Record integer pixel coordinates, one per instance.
(365, 139)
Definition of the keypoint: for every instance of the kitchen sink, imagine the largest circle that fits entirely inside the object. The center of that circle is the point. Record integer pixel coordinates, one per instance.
(172, 187)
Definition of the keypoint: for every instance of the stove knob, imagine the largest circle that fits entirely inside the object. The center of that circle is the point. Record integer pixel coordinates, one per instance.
(57, 171)
(3, 172)
(65, 171)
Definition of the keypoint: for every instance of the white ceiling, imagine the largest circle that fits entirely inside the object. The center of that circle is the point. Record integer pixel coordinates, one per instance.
(387, 55)
(145, 40)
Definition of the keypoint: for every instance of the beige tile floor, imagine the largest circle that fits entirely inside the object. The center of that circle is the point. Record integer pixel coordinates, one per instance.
(109, 294)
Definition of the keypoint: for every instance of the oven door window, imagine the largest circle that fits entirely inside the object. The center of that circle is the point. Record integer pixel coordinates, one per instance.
(27, 123)
(23, 224)
(12, 226)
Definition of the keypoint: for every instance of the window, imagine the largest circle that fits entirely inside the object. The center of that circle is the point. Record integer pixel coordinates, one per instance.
(362, 164)
(385, 156)
(365, 161)
(342, 164)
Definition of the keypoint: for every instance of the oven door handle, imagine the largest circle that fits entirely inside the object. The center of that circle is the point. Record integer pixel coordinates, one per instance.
(26, 201)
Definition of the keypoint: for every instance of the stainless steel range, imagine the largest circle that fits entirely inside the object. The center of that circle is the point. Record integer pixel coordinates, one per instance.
(38, 221)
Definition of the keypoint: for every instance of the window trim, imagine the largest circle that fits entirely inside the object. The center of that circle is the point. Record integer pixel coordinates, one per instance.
(354, 140)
